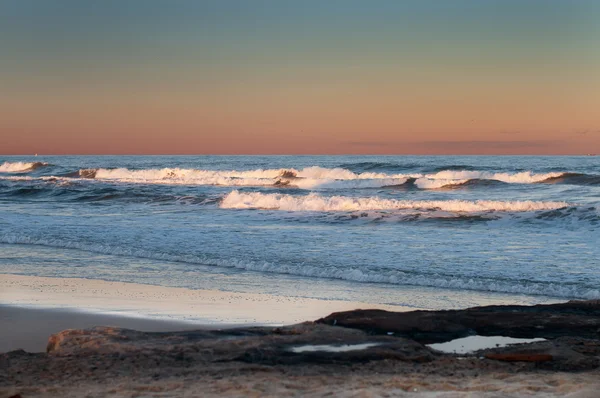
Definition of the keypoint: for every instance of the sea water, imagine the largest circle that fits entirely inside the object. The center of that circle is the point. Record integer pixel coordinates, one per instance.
(423, 231)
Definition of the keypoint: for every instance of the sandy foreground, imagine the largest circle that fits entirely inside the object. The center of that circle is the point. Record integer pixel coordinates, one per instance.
(253, 361)
(28, 328)
(32, 308)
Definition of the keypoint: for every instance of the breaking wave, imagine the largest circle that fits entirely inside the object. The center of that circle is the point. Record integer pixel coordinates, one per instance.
(307, 178)
(20, 167)
(526, 177)
(366, 175)
(325, 178)
(209, 176)
(433, 183)
(574, 179)
(317, 203)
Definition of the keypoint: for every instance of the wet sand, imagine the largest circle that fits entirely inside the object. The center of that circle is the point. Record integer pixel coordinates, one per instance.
(32, 308)
(29, 328)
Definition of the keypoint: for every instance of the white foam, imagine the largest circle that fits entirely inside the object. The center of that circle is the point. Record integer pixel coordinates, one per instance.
(526, 177)
(427, 183)
(149, 175)
(16, 178)
(312, 183)
(317, 203)
(340, 174)
(189, 176)
(314, 177)
(17, 167)
(307, 178)
(43, 178)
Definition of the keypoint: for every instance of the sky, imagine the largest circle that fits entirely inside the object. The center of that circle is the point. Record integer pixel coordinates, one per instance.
(299, 77)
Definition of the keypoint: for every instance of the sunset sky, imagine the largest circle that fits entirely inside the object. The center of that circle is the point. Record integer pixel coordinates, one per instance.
(288, 77)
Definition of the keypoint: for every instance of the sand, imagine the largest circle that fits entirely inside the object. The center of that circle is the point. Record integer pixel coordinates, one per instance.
(260, 382)
(32, 308)
(29, 328)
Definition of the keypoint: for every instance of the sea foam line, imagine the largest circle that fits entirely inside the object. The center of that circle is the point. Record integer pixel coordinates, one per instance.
(317, 203)
(310, 178)
(313, 172)
(307, 178)
(19, 167)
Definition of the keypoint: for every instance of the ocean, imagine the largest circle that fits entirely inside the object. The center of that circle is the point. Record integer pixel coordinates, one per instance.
(422, 231)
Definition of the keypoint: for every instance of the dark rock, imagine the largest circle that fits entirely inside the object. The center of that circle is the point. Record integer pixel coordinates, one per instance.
(563, 354)
(388, 348)
(520, 357)
(575, 318)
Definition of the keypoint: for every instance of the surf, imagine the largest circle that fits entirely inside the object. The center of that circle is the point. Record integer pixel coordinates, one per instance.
(21, 167)
(318, 203)
(316, 177)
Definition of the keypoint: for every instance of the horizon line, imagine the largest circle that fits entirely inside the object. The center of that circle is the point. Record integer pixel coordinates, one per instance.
(293, 154)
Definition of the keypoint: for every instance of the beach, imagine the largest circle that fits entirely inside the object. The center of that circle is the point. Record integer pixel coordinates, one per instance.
(299, 198)
(33, 308)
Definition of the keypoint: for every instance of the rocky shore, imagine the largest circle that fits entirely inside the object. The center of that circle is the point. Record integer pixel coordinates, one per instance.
(353, 353)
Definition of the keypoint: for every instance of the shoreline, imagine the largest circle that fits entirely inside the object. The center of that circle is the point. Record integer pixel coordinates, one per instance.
(29, 328)
(73, 303)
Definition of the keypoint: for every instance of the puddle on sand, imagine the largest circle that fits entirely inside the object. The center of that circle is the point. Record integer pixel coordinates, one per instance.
(333, 348)
(467, 345)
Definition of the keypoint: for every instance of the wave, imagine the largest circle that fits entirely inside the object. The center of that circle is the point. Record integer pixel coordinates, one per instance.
(359, 183)
(311, 173)
(455, 167)
(181, 176)
(465, 178)
(307, 178)
(454, 180)
(317, 203)
(574, 179)
(335, 209)
(460, 177)
(459, 184)
(367, 166)
(52, 187)
(314, 177)
(431, 183)
(379, 166)
(525, 177)
(20, 167)
(201, 176)
(354, 274)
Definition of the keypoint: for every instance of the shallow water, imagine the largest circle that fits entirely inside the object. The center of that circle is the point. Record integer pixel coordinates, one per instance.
(471, 344)
(435, 231)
